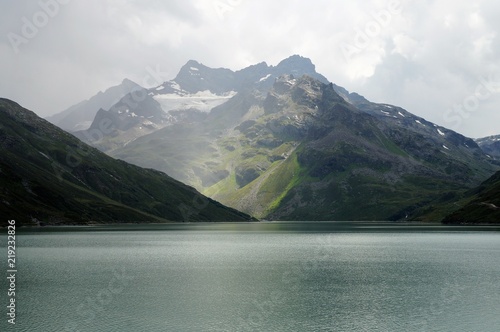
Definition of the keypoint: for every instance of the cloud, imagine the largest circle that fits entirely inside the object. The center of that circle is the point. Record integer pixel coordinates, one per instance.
(426, 56)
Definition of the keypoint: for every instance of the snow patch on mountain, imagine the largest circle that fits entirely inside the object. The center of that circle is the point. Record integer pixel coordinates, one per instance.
(204, 101)
(265, 77)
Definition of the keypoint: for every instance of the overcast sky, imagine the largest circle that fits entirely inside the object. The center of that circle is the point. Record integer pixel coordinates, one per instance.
(437, 59)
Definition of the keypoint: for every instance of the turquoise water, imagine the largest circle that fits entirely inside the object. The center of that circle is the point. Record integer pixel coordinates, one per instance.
(257, 277)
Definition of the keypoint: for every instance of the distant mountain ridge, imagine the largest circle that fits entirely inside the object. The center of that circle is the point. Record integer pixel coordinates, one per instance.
(47, 176)
(80, 116)
(194, 76)
(490, 145)
(194, 92)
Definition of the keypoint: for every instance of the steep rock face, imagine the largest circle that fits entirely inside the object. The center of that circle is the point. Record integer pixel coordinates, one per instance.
(48, 176)
(135, 115)
(194, 77)
(303, 151)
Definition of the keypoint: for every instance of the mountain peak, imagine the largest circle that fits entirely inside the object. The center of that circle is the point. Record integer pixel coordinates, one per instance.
(298, 65)
(192, 63)
(194, 77)
(127, 82)
(296, 61)
(194, 66)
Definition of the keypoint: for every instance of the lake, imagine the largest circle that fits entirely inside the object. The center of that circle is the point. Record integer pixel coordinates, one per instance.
(257, 277)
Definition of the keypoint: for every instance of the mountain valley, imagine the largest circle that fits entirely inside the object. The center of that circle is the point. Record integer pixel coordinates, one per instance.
(49, 177)
(285, 144)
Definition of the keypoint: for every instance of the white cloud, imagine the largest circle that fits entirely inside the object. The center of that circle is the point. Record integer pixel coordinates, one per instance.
(426, 58)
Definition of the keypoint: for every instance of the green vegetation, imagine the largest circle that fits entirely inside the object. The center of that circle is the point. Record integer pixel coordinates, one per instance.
(302, 152)
(480, 205)
(290, 174)
(48, 176)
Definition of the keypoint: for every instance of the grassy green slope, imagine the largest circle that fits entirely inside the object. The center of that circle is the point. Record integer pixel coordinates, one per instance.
(480, 205)
(302, 153)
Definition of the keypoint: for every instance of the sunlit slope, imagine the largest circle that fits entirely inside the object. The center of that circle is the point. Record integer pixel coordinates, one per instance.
(304, 152)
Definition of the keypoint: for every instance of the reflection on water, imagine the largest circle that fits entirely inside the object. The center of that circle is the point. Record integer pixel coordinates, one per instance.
(259, 277)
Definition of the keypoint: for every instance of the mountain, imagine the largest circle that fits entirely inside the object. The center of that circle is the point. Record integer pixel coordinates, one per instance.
(306, 149)
(194, 76)
(490, 145)
(481, 205)
(189, 97)
(135, 115)
(49, 176)
(81, 115)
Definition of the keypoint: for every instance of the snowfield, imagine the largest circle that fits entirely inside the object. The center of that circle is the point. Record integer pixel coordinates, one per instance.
(204, 101)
